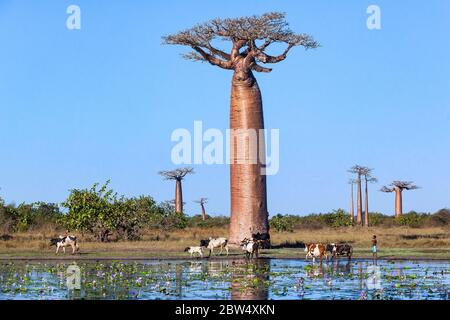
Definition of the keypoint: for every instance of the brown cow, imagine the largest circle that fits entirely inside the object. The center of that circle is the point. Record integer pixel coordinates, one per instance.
(315, 250)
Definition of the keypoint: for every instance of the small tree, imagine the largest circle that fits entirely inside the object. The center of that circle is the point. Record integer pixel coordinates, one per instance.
(178, 175)
(359, 171)
(91, 210)
(398, 187)
(202, 202)
(368, 178)
(101, 211)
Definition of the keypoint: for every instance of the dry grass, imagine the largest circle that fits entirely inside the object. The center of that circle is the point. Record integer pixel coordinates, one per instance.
(395, 237)
(156, 244)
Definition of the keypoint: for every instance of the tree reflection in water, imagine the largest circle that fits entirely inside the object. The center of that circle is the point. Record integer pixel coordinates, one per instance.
(250, 279)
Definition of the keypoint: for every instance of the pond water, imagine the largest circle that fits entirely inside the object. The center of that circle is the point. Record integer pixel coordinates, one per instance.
(225, 279)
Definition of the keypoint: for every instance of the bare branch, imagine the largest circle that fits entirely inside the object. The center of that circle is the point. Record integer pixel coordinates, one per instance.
(243, 33)
(220, 53)
(202, 201)
(359, 170)
(177, 174)
(213, 60)
(402, 185)
(259, 68)
(387, 189)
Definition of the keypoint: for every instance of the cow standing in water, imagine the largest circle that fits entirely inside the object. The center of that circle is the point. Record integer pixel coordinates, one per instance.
(337, 250)
(315, 250)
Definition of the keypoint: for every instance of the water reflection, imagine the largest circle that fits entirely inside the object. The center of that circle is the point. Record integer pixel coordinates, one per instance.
(250, 280)
(237, 279)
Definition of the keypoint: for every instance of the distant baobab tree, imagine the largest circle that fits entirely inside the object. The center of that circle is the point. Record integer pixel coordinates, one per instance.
(202, 202)
(398, 187)
(177, 175)
(367, 179)
(359, 171)
(250, 37)
(352, 182)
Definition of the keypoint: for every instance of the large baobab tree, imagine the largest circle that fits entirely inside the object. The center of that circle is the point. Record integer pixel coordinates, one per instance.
(250, 37)
(202, 202)
(177, 175)
(359, 171)
(368, 178)
(398, 187)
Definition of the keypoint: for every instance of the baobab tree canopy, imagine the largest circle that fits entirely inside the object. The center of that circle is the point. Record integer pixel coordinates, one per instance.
(360, 170)
(250, 36)
(398, 187)
(402, 185)
(177, 174)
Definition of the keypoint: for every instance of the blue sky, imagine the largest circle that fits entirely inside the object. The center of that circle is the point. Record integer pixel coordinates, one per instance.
(84, 106)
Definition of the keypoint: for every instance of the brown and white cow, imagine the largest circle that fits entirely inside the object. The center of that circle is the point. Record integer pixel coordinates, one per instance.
(251, 247)
(315, 250)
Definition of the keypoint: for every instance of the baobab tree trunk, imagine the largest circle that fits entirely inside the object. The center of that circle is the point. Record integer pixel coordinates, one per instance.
(352, 205)
(203, 212)
(359, 202)
(398, 203)
(178, 197)
(247, 180)
(241, 275)
(366, 205)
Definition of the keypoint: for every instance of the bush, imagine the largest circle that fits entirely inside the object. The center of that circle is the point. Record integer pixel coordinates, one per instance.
(281, 223)
(26, 217)
(167, 219)
(210, 222)
(101, 212)
(411, 219)
(339, 218)
(378, 219)
(440, 218)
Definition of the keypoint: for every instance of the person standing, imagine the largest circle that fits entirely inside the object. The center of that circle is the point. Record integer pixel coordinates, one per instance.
(374, 247)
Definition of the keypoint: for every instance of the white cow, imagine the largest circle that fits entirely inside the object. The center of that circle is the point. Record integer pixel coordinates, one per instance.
(193, 250)
(63, 242)
(251, 247)
(212, 243)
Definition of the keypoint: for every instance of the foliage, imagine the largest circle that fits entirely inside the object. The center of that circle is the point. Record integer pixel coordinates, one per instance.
(27, 216)
(101, 211)
(411, 219)
(377, 219)
(167, 219)
(210, 222)
(440, 218)
(281, 223)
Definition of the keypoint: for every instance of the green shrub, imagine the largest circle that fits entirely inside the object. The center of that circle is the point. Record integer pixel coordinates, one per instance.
(411, 219)
(281, 223)
(210, 222)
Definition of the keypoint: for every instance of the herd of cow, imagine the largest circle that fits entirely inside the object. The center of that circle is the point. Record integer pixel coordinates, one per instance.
(258, 241)
(250, 246)
(318, 250)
